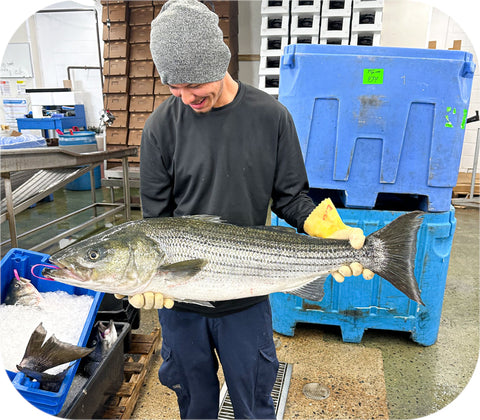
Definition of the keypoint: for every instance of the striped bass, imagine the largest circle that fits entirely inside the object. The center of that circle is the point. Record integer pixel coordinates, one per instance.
(199, 259)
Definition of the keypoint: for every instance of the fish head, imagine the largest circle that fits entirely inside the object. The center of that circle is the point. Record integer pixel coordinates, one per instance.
(22, 292)
(120, 260)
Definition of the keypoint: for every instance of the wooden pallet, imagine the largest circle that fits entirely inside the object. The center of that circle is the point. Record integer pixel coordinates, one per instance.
(142, 347)
(464, 183)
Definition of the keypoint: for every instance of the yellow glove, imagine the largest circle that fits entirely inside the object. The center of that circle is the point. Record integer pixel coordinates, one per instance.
(325, 222)
(148, 300)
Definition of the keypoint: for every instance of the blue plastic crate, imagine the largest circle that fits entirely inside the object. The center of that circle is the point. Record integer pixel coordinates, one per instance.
(379, 120)
(357, 304)
(22, 260)
(81, 142)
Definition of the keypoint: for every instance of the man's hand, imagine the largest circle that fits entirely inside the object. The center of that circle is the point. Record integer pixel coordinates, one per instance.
(325, 222)
(148, 300)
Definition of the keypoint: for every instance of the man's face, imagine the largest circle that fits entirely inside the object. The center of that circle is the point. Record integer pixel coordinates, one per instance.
(200, 97)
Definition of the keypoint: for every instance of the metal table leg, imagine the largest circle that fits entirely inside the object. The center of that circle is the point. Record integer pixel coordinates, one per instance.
(126, 187)
(10, 210)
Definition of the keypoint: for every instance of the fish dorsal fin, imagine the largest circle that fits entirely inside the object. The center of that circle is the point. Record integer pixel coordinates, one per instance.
(312, 290)
(205, 218)
(182, 269)
(284, 229)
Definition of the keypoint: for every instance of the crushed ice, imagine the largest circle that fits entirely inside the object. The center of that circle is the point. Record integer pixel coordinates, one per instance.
(62, 314)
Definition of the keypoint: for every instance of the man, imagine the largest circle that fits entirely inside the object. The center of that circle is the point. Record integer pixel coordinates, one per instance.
(220, 147)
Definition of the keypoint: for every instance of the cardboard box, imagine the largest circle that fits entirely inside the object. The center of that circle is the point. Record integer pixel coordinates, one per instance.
(141, 16)
(114, 12)
(115, 49)
(115, 84)
(233, 66)
(160, 88)
(229, 26)
(115, 67)
(141, 103)
(116, 102)
(121, 119)
(232, 44)
(137, 121)
(139, 34)
(117, 135)
(159, 99)
(464, 184)
(224, 8)
(135, 4)
(140, 51)
(141, 68)
(134, 138)
(110, 2)
(142, 86)
(117, 32)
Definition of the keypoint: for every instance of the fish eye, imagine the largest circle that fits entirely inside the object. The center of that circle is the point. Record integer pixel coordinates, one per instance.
(93, 255)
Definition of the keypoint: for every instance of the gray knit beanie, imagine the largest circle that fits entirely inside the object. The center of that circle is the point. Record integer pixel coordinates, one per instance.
(187, 44)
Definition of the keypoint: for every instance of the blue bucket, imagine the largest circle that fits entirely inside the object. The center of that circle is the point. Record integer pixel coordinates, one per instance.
(81, 142)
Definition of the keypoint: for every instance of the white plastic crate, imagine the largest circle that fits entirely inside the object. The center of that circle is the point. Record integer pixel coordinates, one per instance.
(335, 41)
(275, 7)
(273, 44)
(360, 38)
(367, 4)
(330, 8)
(267, 83)
(275, 24)
(367, 19)
(269, 65)
(305, 24)
(301, 6)
(304, 39)
(335, 27)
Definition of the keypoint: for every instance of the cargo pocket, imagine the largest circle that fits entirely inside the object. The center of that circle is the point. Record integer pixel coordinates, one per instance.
(169, 374)
(267, 371)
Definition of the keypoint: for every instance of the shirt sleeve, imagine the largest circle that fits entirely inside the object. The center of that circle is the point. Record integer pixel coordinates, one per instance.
(155, 175)
(291, 201)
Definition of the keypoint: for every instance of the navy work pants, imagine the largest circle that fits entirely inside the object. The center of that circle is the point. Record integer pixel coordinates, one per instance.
(244, 343)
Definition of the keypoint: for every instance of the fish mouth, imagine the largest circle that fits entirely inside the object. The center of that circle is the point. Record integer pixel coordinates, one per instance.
(62, 272)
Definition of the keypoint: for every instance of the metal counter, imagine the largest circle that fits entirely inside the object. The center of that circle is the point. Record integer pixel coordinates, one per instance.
(57, 167)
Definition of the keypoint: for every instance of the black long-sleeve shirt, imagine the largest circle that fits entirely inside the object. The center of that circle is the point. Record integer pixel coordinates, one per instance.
(228, 162)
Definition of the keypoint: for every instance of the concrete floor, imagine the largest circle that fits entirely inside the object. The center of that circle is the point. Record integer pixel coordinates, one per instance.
(385, 376)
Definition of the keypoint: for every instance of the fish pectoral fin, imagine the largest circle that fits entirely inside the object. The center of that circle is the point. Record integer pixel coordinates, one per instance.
(182, 269)
(312, 290)
(204, 303)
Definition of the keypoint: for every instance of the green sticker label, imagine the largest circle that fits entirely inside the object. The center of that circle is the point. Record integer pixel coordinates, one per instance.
(464, 119)
(451, 120)
(373, 76)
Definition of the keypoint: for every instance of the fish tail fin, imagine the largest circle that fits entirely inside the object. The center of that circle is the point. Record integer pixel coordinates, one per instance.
(397, 244)
(40, 356)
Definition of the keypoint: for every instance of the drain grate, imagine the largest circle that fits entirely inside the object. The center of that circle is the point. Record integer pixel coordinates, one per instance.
(279, 394)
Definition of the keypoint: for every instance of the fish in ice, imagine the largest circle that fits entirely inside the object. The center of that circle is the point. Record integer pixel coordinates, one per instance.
(21, 291)
(41, 355)
(198, 259)
(102, 339)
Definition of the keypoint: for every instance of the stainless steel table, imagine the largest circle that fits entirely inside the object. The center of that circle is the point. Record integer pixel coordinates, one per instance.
(57, 167)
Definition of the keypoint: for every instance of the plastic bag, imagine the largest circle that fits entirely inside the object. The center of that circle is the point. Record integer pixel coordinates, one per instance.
(23, 141)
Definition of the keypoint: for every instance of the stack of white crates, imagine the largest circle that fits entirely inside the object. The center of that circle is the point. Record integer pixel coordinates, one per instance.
(341, 22)
(305, 21)
(274, 35)
(335, 25)
(366, 22)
